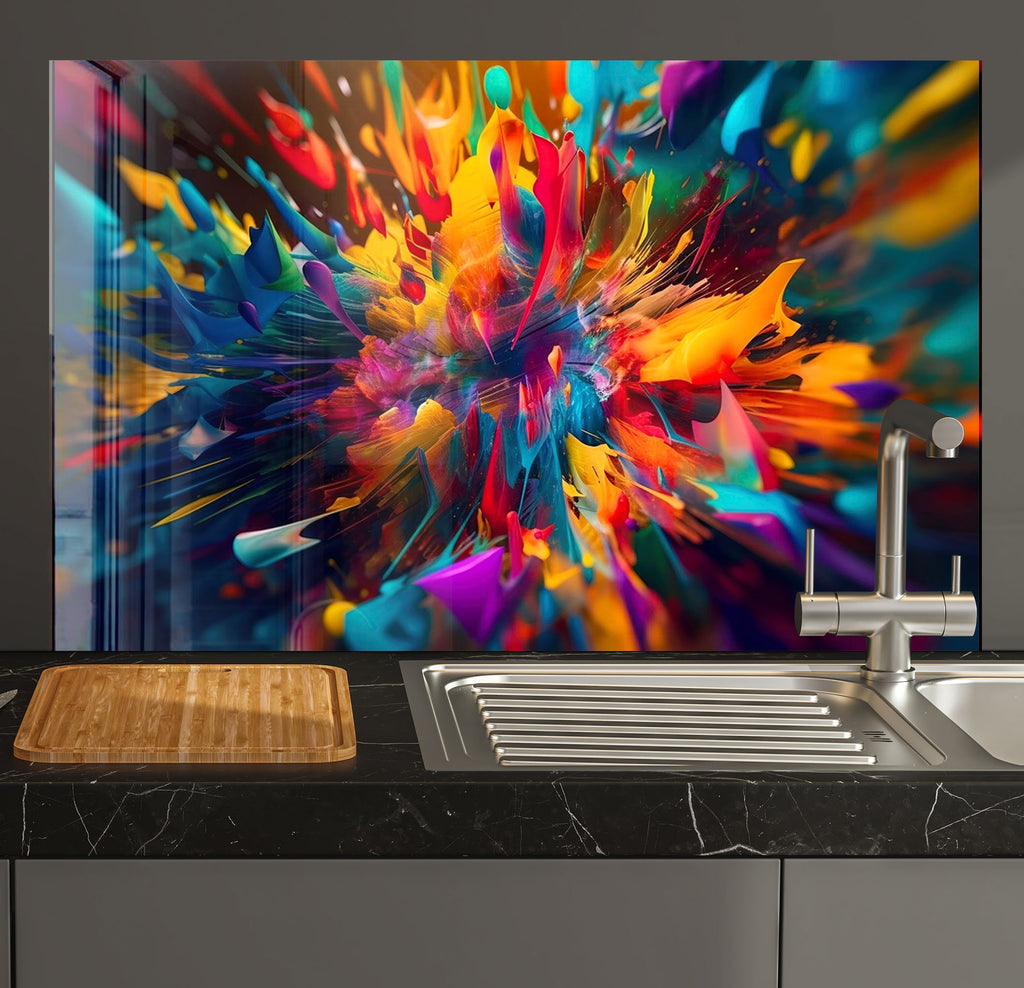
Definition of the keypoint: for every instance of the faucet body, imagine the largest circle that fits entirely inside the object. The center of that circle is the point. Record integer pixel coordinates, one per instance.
(889, 615)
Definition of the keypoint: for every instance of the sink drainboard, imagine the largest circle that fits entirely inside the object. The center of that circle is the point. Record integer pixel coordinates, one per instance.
(512, 715)
(548, 725)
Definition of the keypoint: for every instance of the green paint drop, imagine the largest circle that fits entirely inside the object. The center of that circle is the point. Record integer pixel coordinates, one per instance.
(532, 121)
(393, 80)
(204, 163)
(498, 86)
(290, 278)
(476, 128)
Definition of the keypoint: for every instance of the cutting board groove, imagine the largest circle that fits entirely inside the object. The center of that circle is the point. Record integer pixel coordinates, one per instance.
(188, 713)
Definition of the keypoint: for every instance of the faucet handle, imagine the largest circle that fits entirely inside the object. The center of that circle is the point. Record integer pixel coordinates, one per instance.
(961, 608)
(815, 615)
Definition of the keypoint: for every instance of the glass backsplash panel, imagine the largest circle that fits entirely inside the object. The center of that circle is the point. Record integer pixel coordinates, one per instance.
(532, 356)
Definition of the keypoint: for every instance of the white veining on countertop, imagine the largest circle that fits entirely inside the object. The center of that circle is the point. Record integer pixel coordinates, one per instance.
(734, 847)
(693, 815)
(574, 820)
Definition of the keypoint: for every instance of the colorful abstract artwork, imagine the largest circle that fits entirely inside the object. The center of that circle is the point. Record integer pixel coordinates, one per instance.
(529, 356)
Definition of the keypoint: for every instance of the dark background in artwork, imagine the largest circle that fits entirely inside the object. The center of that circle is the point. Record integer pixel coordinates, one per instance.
(35, 33)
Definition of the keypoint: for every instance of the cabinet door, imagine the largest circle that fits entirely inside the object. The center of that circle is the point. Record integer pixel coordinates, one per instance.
(5, 924)
(939, 923)
(397, 924)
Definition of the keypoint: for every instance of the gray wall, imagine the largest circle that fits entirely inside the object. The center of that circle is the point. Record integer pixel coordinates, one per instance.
(36, 32)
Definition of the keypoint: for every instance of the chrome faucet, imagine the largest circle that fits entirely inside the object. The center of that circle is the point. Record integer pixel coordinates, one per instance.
(890, 615)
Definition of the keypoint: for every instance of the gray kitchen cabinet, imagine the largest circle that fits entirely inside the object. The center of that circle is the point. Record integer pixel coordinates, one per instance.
(397, 923)
(885, 922)
(5, 924)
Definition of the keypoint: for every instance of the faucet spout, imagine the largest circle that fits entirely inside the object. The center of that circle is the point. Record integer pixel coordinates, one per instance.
(942, 434)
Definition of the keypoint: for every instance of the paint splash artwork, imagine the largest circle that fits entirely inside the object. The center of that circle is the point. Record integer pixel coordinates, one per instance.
(526, 356)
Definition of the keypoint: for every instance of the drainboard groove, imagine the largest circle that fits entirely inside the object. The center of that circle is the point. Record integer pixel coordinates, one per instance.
(658, 730)
(660, 719)
(632, 693)
(508, 741)
(606, 757)
(711, 706)
(588, 725)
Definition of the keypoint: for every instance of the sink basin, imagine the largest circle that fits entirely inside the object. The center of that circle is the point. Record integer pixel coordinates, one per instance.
(517, 715)
(990, 710)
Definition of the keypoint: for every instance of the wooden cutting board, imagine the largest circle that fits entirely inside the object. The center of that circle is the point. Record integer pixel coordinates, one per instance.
(188, 713)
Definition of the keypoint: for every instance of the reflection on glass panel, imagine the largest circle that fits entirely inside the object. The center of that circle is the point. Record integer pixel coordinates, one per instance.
(82, 243)
(530, 356)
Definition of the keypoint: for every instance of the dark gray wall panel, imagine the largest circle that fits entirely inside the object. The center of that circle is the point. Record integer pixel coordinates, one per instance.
(1002, 366)
(36, 32)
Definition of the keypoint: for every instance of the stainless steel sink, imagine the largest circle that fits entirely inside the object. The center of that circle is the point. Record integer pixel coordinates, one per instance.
(990, 710)
(553, 716)
(520, 715)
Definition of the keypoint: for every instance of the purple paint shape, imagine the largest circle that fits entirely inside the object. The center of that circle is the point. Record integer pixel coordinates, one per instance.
(690, 96)
(871, 394)
(318, 277)
(471, 589)
(638, 607)
(248, 312)
(768, 527)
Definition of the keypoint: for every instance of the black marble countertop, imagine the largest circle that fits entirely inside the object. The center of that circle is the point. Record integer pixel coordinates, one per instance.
(384, 803)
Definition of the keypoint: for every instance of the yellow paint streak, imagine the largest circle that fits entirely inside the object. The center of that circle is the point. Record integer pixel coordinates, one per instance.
(235, 231)
(699, 342)
(607, 618)
(155, 190)
(640, 197)
(787, 225)
(174, 476)
(589, 538)
(391, 441)
(197, 504)
(344, 503)
(704, 489)
(533, 546)
(934, 213)
(113, 300)
(133, 386)
(592, 469)
(557, 579)
(952, 83)
(439, 119)
(782, 132)
(176, 269)
(807, 149)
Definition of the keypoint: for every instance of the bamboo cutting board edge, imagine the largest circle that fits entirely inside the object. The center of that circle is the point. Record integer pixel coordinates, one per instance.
(40, 704)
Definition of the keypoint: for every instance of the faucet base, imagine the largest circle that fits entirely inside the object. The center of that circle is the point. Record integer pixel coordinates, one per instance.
(888, 658)
(887, 675)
